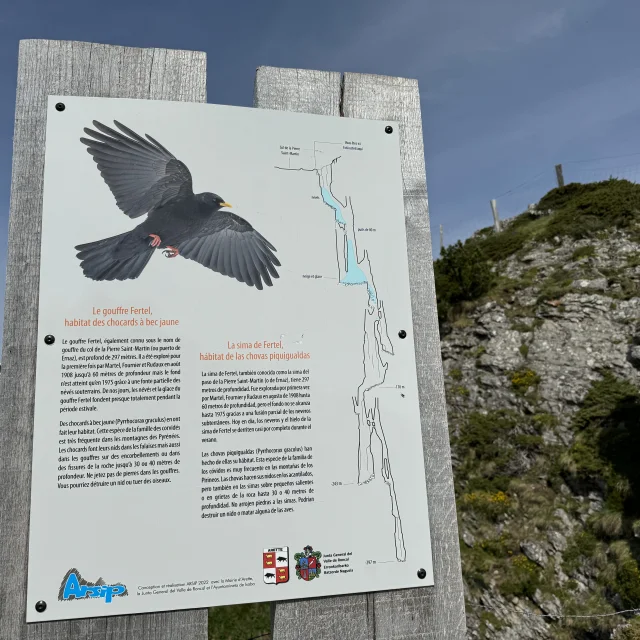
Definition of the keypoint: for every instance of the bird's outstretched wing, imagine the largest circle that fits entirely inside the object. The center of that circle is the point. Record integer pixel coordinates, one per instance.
(229, 245)
(141, 174)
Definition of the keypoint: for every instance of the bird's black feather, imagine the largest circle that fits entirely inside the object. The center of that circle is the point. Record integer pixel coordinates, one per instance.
(121, 257)
(229, 245)
(145, 177)
(142, 175)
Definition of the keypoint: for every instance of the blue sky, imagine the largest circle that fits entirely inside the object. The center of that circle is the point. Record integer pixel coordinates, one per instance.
(509, 88)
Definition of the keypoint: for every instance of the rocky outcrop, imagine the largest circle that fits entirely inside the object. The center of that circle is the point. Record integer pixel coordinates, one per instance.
(560, 315)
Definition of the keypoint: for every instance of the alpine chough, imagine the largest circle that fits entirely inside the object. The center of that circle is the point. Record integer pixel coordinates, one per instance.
(144, 177)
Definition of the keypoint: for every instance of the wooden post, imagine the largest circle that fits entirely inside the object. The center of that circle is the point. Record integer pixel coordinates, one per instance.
(496, 217)
(441, 238)
(559, 175)
(435, 613)
(80, 69)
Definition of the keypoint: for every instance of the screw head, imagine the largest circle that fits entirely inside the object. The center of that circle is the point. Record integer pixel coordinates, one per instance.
(60, 106)
(402, 334)
(388, 129)
(422, 574)
(49, 339)
(41, 605)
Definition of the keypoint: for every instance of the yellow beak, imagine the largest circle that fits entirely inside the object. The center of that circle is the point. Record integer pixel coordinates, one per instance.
(225, 204)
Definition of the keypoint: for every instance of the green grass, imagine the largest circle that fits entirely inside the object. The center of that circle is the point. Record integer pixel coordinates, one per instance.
(460, 390)
(632, 632)
(491, 487)
(584, 209)
(583, 252)
(523, 380)
(627, 582)
(464, 271)
(483, 446)
(547, 420)
(506, 473)
(556, 285)
(523, 579)
(486, 447)
(633, 259)
(478, 351)
(628, 287)
(521, 327)
(492, 619)
(582, 546)
(240, 622)
(604, 458)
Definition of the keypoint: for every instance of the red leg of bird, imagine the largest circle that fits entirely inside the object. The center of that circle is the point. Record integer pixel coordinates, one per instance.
(171, 252)
(155, 240)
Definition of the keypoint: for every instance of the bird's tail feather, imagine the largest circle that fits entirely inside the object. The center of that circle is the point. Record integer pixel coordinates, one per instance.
(105, 259)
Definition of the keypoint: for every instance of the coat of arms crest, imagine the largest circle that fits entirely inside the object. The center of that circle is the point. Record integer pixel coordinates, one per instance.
(275, 565)
(308, 564)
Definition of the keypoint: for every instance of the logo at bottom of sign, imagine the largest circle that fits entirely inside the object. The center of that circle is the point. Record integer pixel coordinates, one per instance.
(275, 565)
(75, 587)
(308, 565)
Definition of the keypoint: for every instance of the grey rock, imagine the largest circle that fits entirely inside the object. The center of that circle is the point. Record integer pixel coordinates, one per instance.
(468, 538)
(566, 522)
(549, 604)
(535, 553)
(536, 256)
(633, 355)
(480, 332)
(557, 540)
(550, 437)
(600, 284)
(487, 380)
(517, 621)
(582, 333)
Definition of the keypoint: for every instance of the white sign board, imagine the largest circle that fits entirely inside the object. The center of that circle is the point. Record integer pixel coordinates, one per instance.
(226, 395)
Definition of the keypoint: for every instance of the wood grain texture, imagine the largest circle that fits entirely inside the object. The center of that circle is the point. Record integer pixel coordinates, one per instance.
(420, 614)
(298, 90)
(79, 69)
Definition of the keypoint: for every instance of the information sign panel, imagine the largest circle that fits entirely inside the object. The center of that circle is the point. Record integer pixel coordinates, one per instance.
(226, 395)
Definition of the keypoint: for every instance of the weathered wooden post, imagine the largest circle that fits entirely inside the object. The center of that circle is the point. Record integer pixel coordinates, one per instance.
(435, 613)
(84, 69)
(74, 69)
(496, 217)
(559, 175)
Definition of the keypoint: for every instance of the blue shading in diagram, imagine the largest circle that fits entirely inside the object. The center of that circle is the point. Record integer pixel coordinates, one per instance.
(354, 274)
(331, 201)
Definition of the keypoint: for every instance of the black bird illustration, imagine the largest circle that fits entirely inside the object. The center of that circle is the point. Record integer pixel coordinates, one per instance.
(146, 178)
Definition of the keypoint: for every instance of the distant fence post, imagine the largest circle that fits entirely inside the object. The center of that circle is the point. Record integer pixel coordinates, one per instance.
(435, 613)
(441, 238)
(496, 217)
(47, 67)
(559, 175)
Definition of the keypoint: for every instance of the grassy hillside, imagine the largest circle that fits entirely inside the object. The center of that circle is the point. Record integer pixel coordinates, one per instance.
(547, 482)
(508, 484)
(465, 272)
